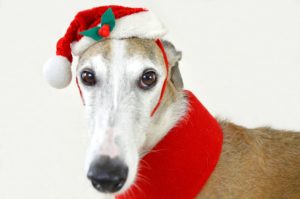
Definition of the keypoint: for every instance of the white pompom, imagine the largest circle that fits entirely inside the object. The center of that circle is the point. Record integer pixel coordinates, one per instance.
(57, 72)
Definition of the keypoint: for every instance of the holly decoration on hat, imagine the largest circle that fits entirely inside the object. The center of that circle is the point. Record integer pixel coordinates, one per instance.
(107, 24)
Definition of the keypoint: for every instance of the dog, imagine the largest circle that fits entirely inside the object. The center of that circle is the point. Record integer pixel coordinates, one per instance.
(120, 81)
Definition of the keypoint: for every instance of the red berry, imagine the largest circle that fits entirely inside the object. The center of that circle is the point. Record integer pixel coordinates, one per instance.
(104, 31)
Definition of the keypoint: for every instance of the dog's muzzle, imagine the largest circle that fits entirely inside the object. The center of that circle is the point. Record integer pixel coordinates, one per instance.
(108, 175)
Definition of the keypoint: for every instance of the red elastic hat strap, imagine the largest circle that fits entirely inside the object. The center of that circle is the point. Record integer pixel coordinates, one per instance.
(160, 45)
(80, 92)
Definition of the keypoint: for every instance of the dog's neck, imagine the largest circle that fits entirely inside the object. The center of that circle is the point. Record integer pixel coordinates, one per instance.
(180, 163)
(171, 110)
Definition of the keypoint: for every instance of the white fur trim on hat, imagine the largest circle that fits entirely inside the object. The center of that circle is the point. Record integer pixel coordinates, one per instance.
(57, 72)
(142, 25)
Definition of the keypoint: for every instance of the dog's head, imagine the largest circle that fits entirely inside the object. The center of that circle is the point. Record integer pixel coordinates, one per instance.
(121, 82)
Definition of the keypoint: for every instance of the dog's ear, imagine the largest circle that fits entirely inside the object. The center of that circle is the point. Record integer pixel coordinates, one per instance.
(174, 57)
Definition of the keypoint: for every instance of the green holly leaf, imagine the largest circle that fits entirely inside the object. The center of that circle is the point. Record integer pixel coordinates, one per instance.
(108, 18)
(92, 33)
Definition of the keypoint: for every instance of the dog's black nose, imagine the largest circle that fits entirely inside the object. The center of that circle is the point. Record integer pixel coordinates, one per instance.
(108, 175)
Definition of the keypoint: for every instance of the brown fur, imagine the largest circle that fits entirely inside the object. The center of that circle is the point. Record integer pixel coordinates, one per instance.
(103, 48)
(259, 163)
(146, 48)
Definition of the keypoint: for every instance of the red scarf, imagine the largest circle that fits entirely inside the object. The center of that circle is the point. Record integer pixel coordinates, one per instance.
(181, 163)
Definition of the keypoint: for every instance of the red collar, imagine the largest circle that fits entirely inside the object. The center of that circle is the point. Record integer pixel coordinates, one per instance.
(180, 164)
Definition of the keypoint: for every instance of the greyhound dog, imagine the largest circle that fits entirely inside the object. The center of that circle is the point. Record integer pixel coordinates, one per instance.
(120, 80)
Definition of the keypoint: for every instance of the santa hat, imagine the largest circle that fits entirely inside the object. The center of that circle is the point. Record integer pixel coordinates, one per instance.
(93, 25)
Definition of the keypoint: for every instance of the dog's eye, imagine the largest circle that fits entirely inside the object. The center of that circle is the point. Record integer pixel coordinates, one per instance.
(88, 77)
(147, 80)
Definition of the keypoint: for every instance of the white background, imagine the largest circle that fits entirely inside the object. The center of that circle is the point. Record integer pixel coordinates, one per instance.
(240, 57)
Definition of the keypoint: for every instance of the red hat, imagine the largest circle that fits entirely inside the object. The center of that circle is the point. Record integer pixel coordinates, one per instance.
(93, 25)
